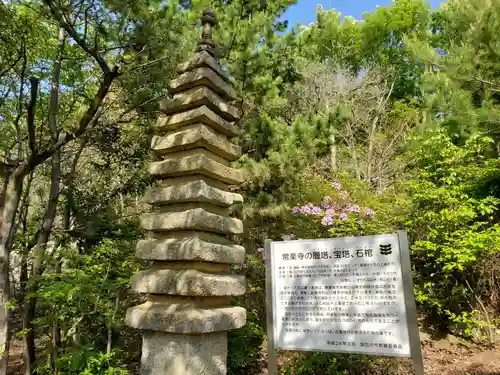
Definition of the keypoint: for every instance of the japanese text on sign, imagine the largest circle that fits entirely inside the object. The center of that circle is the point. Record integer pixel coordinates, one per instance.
(343, 295)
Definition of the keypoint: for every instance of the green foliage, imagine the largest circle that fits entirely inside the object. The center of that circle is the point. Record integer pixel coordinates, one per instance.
(348, 209)
(85, 300)
(338, 364)
(86, 360)
(245, 344)
(377, 41)
(453, 220)
(441, 183)
(288, 149)
(103, 364)
(399, 110)
(460, 80)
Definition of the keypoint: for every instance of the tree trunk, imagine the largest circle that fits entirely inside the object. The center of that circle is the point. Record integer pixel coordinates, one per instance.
(23, 221)
(9, 203)
(333, 151)
(13, 187)
(351, 142)
(12, 197)
(14, 184)
(371, 142)
(111, 322)
(373, 132)
(48, 220)
(68, 209)
(355, 162)
(29, 352)
(57, 328)
(29, 336)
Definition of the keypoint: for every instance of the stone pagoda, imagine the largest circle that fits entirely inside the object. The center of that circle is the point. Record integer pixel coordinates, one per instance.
(189, 288)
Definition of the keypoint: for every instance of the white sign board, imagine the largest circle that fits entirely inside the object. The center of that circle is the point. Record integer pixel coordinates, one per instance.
(341, 295)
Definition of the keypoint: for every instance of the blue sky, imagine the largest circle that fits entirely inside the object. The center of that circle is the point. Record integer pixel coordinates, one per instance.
(304, 11)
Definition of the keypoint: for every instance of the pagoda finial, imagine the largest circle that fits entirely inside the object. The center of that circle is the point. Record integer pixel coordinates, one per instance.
(208, 20)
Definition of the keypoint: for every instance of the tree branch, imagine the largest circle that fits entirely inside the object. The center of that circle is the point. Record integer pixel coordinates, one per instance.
(20, 106)
(32, 114)
(91, 51)
(12, 65)
(149, 63)
(54, 94)
(493, 86)
(64, 138)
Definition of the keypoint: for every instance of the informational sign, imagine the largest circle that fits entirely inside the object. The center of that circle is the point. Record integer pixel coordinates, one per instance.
(344, 295)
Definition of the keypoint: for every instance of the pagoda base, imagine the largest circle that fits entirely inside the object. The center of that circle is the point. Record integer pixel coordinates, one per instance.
(179, 354)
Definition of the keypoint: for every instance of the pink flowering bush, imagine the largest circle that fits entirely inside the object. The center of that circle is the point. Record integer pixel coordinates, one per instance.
(339, 212)
(334, 212)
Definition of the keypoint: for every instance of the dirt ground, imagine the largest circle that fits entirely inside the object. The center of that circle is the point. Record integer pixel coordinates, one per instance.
(16, 358)
(450, 356)
(443, 357)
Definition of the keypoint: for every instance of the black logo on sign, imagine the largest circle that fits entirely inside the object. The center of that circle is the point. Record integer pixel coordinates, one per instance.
(385, 249)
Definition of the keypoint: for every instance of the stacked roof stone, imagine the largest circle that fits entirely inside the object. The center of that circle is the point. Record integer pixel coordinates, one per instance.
(189, 287)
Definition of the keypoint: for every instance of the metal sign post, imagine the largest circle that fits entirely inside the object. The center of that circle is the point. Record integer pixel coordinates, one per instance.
(272, 360)
(342, 295)
(411, 308)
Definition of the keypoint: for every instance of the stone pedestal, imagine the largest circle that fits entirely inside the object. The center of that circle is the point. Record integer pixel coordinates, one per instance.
(170, 353)
(188, 312)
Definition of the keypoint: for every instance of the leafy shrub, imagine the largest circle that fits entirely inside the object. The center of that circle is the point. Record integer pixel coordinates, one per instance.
(86, 360)
(85, 300)
(104, 364)
(245, 343)
(453, 223)
(340, 364)
(343, 207)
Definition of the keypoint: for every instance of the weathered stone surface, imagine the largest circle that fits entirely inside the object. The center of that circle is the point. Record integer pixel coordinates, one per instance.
(188, 283)
(198, 302)
(201, 163)
(203, 77)
(175, 181)
(194, 136)
(184, 318)
(181, 207)
(204, 267)
(189, 287)
(203, 59)
(177, 354)
(202, 115)
(197, 191)
(191, 246)
(195, 219)
(196, 98)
